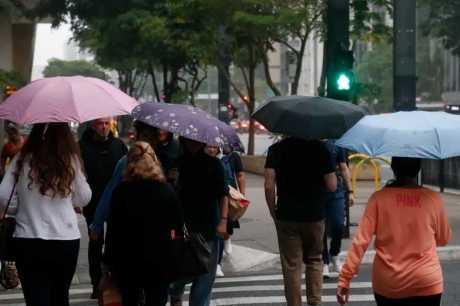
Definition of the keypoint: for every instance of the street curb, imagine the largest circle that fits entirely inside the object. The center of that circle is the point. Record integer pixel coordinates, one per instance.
(449, 253)
(444, 253)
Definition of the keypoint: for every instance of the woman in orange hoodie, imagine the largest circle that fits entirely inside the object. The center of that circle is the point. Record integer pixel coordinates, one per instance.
(408, 222)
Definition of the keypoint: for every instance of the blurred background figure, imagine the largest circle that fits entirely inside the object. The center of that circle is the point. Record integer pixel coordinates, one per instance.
(236, 178)
(12, 146)
(100, 152)
(335, 209)
(168, 151)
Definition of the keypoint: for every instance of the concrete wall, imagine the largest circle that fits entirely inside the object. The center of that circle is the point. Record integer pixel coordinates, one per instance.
(23, 48)
(6, 45)
(17, 46)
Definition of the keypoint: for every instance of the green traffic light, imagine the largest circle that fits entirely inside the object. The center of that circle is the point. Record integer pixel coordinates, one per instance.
(343, 82)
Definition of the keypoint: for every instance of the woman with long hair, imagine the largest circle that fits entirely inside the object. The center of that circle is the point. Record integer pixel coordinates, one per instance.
(48, 177)
(145, 216)
(408, 222)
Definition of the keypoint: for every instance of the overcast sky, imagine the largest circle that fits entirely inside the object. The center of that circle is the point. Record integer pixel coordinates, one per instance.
(49, 42)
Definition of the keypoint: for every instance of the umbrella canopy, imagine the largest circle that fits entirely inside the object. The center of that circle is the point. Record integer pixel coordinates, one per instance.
(308, 117)
(405, 134)
(186, 121)
(66, 99)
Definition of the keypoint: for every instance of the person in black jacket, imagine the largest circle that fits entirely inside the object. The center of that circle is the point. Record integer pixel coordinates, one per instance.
(100, 152)
(203, 192)
(145, 217)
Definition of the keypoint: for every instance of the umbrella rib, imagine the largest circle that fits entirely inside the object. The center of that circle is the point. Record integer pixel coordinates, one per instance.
(73, 105)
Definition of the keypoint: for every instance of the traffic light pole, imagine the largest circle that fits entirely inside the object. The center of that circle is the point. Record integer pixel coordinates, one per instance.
(404, 62)
(338, 23)
(223, 75)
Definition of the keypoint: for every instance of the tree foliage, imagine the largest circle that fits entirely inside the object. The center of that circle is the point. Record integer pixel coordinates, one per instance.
(57, 67)
(10, 78)
(443, 22)
(374, 78)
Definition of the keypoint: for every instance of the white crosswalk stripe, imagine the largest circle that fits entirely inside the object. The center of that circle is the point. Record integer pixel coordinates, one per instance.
(240, 290)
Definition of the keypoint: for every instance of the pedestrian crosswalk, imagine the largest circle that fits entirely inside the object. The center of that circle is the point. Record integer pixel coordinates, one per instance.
(265, 289)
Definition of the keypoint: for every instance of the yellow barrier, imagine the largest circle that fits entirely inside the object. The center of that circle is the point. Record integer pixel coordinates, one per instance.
(372, 160)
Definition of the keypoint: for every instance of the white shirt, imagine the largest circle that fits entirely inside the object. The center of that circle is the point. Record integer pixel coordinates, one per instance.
(41, 216)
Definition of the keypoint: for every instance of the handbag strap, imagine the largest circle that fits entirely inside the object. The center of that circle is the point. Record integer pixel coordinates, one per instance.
(236, 182)
(9, 200)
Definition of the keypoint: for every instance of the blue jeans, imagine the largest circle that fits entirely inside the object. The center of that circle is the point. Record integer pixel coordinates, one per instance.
(335, 218)
(200, 292)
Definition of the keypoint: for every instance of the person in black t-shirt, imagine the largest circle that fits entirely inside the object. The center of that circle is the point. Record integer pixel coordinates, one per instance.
(297, 174)
(203, 194)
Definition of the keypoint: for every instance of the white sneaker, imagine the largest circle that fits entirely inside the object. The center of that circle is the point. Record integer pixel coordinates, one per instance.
(228, 246)
(219, 272)
(326, 271)
(336, 264)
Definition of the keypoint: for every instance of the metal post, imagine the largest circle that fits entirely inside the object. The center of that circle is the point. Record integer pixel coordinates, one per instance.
(223, 76)
(404, 68)
(224, 92)
(338, 24)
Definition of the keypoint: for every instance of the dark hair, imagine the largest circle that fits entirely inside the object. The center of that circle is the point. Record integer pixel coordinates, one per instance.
(50, 150)
(146, 133)
(13, 133)
(404, 168)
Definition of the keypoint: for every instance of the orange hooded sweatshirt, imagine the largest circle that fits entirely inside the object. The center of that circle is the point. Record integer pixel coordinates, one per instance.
(408, 224)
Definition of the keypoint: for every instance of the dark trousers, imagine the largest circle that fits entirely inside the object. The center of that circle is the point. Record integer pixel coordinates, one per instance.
(431, 300)
(153, 294)
(46, 269)
(335, 219)
(95, 256)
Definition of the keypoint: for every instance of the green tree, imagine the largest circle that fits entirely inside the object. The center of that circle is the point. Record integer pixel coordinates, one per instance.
(57, 67)
(136, 38)
(295, 22)
(443, 22)
(374, 78)
(10, 78)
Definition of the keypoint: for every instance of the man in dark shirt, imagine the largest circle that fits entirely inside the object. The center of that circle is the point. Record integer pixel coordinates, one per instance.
(100, 152)
(203, 194)
(297, 174)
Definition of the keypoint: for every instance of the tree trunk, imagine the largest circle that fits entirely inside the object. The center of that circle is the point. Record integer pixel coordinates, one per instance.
(322, 83)
(298, 68)
(252, 99)
(165, 82)
(154, 81)
(268, 76)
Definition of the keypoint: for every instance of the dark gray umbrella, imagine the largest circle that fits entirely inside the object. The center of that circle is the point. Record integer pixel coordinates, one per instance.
(308, 117)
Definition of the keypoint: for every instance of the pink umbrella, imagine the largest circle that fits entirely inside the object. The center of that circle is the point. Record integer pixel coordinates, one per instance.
(66, 99)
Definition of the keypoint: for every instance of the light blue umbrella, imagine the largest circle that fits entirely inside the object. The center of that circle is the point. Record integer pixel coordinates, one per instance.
(433, 135)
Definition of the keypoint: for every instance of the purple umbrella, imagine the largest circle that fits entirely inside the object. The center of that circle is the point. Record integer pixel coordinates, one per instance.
(184, 120)
(189, 122)
(229, 134)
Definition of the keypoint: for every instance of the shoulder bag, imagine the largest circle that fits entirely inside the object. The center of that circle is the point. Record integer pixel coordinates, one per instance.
(237, 202)
(190, 257)
(8, 274)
